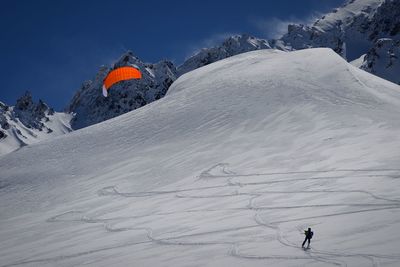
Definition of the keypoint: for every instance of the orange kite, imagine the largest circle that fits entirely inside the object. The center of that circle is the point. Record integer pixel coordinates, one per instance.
(120, 74)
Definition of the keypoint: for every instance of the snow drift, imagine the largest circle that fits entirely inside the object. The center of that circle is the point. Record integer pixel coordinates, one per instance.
(227, 169)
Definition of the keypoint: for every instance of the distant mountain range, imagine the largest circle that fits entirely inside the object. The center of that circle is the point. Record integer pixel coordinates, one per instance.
(364, 32)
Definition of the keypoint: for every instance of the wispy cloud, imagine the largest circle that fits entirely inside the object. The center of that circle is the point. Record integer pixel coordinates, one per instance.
(216, 39)
(209, 41)
(273, 28)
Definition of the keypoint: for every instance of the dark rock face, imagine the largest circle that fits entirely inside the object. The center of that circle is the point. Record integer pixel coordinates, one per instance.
(383, 60)
(386, 21)
(3, 119)
(2, 134)
(30, 113)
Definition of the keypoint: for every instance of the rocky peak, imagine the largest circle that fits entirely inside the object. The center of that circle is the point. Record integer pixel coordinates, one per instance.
(383, 59)
(29, 113)
(28, 122)
(350, 30)
(90, 106)
(3, 119)
(244, 43)
(301, 36)
(233, 45)
(25, 102)
(127, 59)
(385, 22)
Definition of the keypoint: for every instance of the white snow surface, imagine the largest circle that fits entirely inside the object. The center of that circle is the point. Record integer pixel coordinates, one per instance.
(227, 169)
(358, 62)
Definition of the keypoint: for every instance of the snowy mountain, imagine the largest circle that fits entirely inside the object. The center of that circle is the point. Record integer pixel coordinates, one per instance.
(352, 30)
(233, 45)
(358, 27)
(346, 30)
(28, 122)
(365, 32)
(91, 107)
(225, 170)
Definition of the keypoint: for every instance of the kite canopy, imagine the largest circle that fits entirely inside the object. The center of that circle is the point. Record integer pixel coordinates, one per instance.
(120, 74)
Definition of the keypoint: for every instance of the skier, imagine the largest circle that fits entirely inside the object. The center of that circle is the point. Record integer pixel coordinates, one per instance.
(309, 234)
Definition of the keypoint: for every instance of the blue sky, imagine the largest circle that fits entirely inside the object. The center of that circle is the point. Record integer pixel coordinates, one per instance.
(51, 47)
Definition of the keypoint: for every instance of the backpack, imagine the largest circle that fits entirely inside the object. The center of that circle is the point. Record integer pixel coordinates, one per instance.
(311, 234)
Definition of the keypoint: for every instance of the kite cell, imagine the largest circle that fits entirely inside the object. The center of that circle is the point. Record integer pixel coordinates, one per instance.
(118, 75)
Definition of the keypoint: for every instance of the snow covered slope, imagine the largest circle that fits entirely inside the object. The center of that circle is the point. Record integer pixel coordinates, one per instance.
(28, 122)
(226, 170)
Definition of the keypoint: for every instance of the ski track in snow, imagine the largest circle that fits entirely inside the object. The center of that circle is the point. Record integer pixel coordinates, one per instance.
(337, 258)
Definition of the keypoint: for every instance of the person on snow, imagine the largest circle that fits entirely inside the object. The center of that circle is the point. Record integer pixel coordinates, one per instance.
(309, 234)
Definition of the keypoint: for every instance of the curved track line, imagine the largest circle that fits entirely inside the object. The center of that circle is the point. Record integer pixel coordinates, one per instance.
(316, 255)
